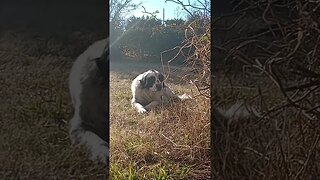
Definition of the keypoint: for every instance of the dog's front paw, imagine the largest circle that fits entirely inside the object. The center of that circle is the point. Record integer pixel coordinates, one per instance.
(100, 153)
(142, 110)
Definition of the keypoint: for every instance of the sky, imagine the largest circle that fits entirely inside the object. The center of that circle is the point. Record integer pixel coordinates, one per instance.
(172, 10)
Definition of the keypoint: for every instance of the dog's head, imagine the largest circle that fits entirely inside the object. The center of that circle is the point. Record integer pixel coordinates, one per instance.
(152, 80)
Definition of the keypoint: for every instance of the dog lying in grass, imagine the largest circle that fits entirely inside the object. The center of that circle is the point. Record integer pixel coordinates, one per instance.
(88, 84)
(149, 91)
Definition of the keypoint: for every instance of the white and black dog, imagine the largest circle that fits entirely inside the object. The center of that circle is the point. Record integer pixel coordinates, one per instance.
(88, 84)
(149, 91)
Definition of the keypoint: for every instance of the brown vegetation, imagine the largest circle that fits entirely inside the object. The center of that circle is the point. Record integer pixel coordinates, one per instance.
(275, 67)
(171, 143)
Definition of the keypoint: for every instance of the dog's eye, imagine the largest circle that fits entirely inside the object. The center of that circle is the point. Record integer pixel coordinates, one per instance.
(151, 80)
(161, 77)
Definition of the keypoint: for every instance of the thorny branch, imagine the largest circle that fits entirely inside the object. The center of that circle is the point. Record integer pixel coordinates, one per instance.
(202, 5)
(284, 44)
(196, 47)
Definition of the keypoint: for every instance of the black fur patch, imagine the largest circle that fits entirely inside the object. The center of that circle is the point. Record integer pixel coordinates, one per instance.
(94, 106)
(147, 81)
(93, 109)
(161, 77)
(103, 65)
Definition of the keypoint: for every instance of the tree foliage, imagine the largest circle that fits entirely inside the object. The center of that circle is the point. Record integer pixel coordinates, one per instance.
(147, 36)
(117, 12)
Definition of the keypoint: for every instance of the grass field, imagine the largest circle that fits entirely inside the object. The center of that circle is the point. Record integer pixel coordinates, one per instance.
(172, 143)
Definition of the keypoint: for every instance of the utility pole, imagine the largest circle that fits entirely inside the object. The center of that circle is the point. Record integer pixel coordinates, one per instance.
(163, 16)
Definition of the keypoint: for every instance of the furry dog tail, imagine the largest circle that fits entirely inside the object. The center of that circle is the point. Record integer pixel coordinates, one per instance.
(238, 111)
(222, 118)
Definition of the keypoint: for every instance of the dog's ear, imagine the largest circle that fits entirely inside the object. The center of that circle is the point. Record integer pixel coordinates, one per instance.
(161, 77)
(143, 82)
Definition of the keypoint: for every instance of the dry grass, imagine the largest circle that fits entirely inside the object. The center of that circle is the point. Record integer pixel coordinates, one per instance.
(172, 143)
(35, 110)
(283, 144)
(276, 40)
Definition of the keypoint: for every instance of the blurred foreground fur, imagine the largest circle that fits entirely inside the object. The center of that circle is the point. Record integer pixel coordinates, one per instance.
(88, 89)
(36, 107)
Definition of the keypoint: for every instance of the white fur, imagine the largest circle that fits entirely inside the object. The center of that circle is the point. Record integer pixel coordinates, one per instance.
(80, 70)
(97, 146)
(238, 111)
(151, 97)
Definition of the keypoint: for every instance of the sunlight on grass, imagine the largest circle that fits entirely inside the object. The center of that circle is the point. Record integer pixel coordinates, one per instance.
(160, 171)
(170, 143)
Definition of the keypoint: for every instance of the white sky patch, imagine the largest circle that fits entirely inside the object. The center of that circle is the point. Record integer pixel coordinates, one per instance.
(172, 10)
